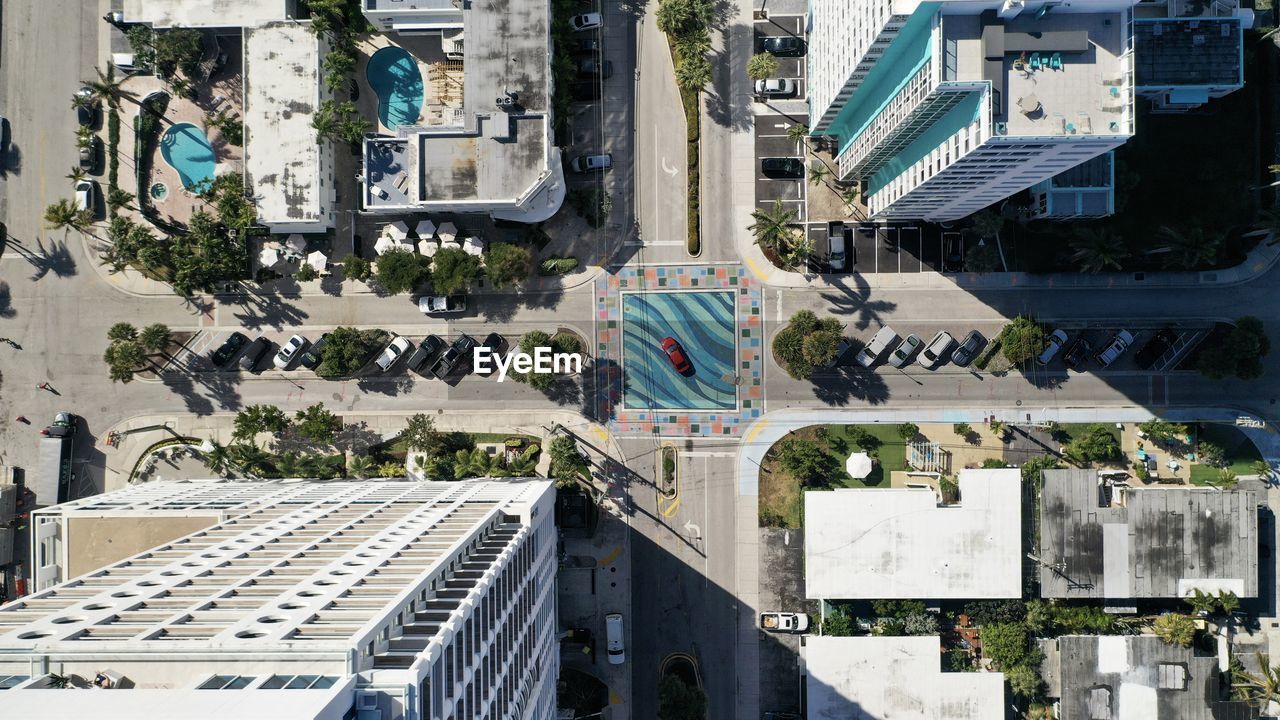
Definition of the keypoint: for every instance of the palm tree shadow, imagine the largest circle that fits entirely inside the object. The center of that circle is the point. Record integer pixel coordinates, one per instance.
(57, 260)
(6, 301)
(854, 301)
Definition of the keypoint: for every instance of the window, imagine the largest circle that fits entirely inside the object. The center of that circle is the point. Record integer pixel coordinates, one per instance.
(226, 682)
(1173, 676)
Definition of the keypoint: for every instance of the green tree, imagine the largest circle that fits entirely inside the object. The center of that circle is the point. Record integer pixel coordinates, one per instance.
(529, 344)
(1262, 469)
(229, 124)
(1240, 353)
(1095, 444)
(58, 682)
(155, 337)
(1160, 431)
(806, 461)
(1097, 249)
(64, 214)
(360, 466)
(290, 465)
(1032, 468)
(106, 88)
(678, 701)
(1201, 602)
(355, 267)
(177, 49)
(77, 174)
(1225, 479)
(1191, 250)
(1008, 645)
(772, 227)
(795, 350)
(123, 358)
(799, 132)
(693, 72)
(982, 258)
(1211, 453)
(118, 198)
(420, 434)
(820, 348)
(961, 429)
(454, 270)
(346, 351)
(1024, 681)
(1228, 602)
(507, 265)
(256, 419)
(471, 463)
(818, 172)
(122, 331)
(685, 17)
(987, 224)
(1039, 616)
(250, 459)
(1021, 340)
(218, 459)
(391, 469)
(908, 431)
(1259, 690)
(566, 461)
(338, 65)
(837, 623)
(1175, 629)
(762, 66)
(401, 271)
(318, 424)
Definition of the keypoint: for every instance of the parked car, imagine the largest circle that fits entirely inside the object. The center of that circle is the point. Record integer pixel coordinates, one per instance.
(837, 255)
(89, 154)
(393, 352)
(776, 87)
(86, 110)
(880, 342)
(968, 349)
(228, 349)
(784, 622)
(584, 46)
(591, 163)
(783, 46)
(782, 167)
(4, 134)
(1115, 347)
(675, 353)
(1056, 340)
(288, 352)
(254, 353)
(586, 21)
(953, 252)
(1155, 348)
(842, 347)
(426, 352)
(1077, 354)
(902, 354)
(615, 638)
(314, 354)
(442, 305)
(494, 342)
(592, 68)
(937, 349)
(86, 195)
(459, 355)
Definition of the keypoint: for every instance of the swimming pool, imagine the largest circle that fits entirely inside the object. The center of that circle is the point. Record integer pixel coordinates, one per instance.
(187, 150)
(393, 75)
(704, 324)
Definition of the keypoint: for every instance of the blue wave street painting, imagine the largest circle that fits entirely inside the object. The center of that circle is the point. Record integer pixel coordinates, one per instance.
(704, 324)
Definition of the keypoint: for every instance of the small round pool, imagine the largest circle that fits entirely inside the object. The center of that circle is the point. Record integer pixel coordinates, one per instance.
(187, 150)
(393, 74)
(159, 191)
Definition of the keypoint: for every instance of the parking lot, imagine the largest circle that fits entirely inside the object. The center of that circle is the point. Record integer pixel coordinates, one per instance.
(789, 68)
(771, 141)
(892, 249)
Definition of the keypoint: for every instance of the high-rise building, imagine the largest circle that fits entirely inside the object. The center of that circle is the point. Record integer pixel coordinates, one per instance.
(293, 599)
(941, 109)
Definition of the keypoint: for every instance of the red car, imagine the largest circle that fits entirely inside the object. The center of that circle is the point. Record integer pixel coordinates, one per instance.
(676, 355)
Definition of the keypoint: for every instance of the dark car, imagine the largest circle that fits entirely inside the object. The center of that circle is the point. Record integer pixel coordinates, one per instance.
(426, 352)
(953, 253)
(228, 349)
(783, 46)
(782, 167)
(86, 107)
(494, 342)
(1078, 354)
(592, 68)
(675, 353)
(314, 354)
(584, 46)
(459, 355)
(585, 91)
(1155, 348)
(4, 134)
(89, 153)
(253, 354)
(968, 349)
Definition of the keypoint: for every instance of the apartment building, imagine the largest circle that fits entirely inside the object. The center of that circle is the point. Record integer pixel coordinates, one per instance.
(296, 599)
(943, 108)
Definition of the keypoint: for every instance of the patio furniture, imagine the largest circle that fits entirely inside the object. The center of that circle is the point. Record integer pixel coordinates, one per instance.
(401, 181)
(1115, 91)
(1055, 61)
(1028, 104)
(1059, 124)
(1084, 122)
(1034, 62)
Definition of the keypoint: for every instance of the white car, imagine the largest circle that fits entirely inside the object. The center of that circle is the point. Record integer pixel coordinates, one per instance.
(84, 195)
(1056, 340)
(880, 342)
(937, 348)
(784, 622)
(586, 21)
(614, 638)
(591, 163)
(442, 304)
(288, 352)
(398, 347)
(776, 87)
(902, 354)
(1115, 348)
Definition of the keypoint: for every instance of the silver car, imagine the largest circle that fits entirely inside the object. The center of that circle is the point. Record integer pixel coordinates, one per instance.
(398, 347)
(776, 87)
(903, 353)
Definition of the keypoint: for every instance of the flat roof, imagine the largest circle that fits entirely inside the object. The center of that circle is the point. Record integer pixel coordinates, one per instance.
(1205, 51)
(1162, 542)
(282, 160)
(185, 704)
(899, 543)
(884, 678)
(206, 13)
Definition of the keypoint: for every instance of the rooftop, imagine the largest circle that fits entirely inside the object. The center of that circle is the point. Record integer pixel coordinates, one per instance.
(1162, 542)
(284, 165)
(392, 5)
(1133, 677)
(884, 678)
(207, 13)
(1205, 51)
(899, 543)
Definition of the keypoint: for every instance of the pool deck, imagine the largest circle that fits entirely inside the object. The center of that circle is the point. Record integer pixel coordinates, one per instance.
(441, 78)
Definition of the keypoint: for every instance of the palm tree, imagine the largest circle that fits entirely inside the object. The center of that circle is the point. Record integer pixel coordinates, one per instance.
(1200, 601)
(1262, 469)
(84, 136)
(1268, 224)
(1097, 250)
(64, 214)
(1190, 250)
(524, 464)
(59, 682)
(156, 337)
(798, 132)
(1228, 601)
(290, 465)
(694, 72)
(818, 172)
(218, 459)
(360, 466)
(250, 459)
(771, 227)
(1259, 690)
(106, 88)
(77, 174)
(762, 66)
(1225, 480)
(472, 463)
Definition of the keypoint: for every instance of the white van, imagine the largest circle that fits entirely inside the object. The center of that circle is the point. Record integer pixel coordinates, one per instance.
(880, 342)
(613, 637)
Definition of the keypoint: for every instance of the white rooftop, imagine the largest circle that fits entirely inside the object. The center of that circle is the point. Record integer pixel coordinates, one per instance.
(283, 161)
(899, 543)
(894, 678)
(188, 704)
(205, 13)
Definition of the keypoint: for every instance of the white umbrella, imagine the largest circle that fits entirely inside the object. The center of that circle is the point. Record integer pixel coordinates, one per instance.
(447, 232)
(296, 243)
(428, 247)
(385, 242)
(426, 229)
(269, 257)
(858, 465)
(450, 245)
(398, 230)
(471, 246)
(318, 260)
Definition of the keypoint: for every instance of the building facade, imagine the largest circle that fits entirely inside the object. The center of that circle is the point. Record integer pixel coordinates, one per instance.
(372, 599)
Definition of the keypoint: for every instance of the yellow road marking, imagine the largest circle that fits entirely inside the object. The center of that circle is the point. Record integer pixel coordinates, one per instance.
(608, 559)
(600, 433)
(755, 430)
(614, 698)
(755, 269)
(670, 509)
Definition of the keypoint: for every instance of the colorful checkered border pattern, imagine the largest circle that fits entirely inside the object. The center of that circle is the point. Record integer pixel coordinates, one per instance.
(679, 423)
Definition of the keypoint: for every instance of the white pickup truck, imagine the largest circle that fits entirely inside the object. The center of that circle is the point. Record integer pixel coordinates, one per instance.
(784, 622)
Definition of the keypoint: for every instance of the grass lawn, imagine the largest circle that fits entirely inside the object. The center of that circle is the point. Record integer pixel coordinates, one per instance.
(1074, 430)
(1240, 451)
(781, 496)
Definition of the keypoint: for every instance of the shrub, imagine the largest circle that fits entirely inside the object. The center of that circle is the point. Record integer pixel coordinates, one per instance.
(356, 268)
(402, 271)
(1009, 645)
(1211, 453)
(961, 429)
(1175, 629)
(1022, 339)
(556, 265)
(347, 350)
(1097, 443)
(1240, 353)
(806, 461)
(908, 431)
(507, 265)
